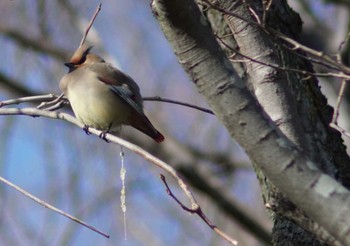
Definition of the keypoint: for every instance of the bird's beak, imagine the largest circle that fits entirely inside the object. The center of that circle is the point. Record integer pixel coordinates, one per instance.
(69, 64)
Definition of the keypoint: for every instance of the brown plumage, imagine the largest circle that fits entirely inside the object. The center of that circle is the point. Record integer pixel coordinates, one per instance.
(103, 97)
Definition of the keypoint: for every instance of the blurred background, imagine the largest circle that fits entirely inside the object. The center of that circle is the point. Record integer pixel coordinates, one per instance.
(79, 174)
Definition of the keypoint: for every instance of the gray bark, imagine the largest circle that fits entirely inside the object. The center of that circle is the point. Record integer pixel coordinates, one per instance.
(294, 157)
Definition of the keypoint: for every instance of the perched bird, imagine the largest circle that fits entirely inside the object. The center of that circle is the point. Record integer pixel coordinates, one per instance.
(103, 97)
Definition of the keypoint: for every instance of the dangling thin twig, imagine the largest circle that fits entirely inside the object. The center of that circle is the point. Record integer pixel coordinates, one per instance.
(90, 24)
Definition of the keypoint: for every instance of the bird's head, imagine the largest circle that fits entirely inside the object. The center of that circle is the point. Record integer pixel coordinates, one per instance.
(82, 56)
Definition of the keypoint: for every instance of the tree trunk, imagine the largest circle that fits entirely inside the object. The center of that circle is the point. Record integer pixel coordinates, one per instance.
(292, 101)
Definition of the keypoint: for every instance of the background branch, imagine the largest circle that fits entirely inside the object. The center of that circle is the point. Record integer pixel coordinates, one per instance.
(46, 205)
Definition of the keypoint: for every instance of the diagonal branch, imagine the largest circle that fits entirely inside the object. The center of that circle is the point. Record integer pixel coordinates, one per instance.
(98, 9)
(50, 99)
(34, 112)
(38, 45)
(226, 204)
(199, 212)
(322, 58)
(46, 205)
(160, 99)
(15, 87)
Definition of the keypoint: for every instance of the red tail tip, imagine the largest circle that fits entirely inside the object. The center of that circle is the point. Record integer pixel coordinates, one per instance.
(159, 137)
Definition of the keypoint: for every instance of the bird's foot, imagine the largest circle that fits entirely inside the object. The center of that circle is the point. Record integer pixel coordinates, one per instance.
(103, 136)
(86, 129)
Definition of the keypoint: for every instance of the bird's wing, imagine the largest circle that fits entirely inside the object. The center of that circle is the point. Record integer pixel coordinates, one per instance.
(121, 84)
(126, 94)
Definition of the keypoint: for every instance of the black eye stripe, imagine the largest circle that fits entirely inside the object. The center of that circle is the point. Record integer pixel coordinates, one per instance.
(82, 60)
(86, 52)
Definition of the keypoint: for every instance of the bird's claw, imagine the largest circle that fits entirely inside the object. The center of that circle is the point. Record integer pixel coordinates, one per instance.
(103, 136)
(86, 130)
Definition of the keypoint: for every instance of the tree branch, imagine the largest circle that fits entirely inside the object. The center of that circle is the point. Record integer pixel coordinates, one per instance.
(46, 205)
(98, 9)
(109, 137)
(159, 99)
(226, 204)
(15, 87)
(38, 45)
(199, 212)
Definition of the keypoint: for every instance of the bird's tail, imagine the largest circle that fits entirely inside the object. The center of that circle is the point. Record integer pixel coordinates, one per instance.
(144, 125)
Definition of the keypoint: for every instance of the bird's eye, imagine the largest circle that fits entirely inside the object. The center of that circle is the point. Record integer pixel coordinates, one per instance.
(83, 57)
(82, 60)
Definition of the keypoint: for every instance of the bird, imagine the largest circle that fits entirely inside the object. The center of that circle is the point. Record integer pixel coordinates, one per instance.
(103, 97)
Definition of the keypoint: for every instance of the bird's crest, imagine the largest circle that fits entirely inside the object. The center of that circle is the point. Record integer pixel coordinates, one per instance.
(80, 54)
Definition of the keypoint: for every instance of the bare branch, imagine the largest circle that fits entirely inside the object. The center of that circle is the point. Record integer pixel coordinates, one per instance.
(323, 59)
(226, 203)
(298, 46)
(50, 99)
(39, 98)
(341, 130)
(339, 100)
(303, 72)
(15, 87)
(38, 45)
(177, 102)
(46, 205)
(334, 122)
(136, 149)
(199, 212)
(90, 24)
(57, 103)
(341, 46)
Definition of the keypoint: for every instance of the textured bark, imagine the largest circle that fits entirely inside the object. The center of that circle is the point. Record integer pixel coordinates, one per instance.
(285, 97)
(284, 162)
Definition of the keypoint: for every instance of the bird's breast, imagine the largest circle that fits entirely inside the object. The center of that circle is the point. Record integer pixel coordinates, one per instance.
(95, 105)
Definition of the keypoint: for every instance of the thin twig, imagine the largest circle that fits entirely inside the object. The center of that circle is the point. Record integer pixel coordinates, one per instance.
(44, 105)
(322, 59)
(298, 46)
(341, 130)
(295, 45)
(341, 46)
(39, 98)
(179, 103)
(58, 105)
(303, 72)
(339, 100)
(46, 205)
(343, 43)
(197, 211)
(47, 100)
(90, 24)
(334, 123)
(36, 44)
(136, 149)
(266, 9)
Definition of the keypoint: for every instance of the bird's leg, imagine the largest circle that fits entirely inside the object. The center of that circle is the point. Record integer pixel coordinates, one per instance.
(86, 129)
(103, 134)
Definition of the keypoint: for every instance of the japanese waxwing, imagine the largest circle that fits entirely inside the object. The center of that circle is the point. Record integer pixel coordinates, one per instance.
(102, 96)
